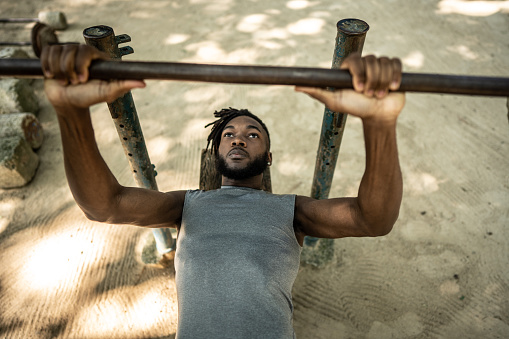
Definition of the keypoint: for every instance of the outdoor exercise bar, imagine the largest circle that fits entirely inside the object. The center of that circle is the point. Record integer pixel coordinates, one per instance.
(265, 75)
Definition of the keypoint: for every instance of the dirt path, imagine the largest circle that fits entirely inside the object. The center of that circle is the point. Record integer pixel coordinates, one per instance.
(442, 272)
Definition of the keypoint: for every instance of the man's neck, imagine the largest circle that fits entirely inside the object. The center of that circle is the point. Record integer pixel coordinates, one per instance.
(253, 182)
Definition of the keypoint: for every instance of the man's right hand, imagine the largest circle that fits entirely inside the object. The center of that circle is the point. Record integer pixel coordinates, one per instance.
(67, 86)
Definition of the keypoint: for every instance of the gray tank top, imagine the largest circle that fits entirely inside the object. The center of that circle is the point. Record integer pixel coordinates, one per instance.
(237, 259)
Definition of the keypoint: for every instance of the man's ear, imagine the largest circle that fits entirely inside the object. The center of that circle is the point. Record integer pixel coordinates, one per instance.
(269, 158)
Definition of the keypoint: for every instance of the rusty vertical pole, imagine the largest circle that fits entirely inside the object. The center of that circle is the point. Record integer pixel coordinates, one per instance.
(128, 127)
(350, 38)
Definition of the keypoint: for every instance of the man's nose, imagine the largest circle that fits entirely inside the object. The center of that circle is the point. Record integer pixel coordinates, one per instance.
(238, 141)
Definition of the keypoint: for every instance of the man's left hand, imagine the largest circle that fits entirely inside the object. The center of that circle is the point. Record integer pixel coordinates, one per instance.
(372, 99)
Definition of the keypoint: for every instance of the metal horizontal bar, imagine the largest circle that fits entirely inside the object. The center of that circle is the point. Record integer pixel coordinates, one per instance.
(17, 20)
(266, 75)
(16, 43)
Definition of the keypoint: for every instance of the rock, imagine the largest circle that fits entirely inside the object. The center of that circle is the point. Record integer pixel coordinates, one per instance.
(55, 20)
(11, 52)
(18, 162)
(17, 95)
(24, 125)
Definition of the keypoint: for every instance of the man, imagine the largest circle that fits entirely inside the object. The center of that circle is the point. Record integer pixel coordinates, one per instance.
(238, 247)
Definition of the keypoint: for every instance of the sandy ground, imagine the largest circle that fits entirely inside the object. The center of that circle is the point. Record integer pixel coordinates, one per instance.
(441, 273)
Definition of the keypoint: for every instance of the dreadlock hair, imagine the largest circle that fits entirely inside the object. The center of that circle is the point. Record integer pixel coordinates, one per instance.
(226, 115)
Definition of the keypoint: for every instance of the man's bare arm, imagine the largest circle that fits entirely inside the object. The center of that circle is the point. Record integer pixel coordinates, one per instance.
(93, 186)
(375, 210)
(97, 191)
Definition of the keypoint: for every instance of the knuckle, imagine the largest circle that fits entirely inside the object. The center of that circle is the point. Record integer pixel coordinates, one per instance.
(396, 64)
(370, 60)
(384, 60)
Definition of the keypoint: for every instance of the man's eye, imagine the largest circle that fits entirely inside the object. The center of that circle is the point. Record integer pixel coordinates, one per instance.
(253, 135)
(228, 135)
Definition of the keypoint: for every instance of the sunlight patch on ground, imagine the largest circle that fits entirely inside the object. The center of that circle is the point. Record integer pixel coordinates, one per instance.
(207, 51)
(55, 259)
(7, 209)
(149, 308)
(414, 60)
(290, 165)
(416, 230)
(269, 44)
(214, 6)
(439, 266)
(276, 33)
(243, 56)
(141, 15)
(472, 8)
(81, 3)
(422, 183)
(201, 2)
(205, 93)
(160, 147)
(408, 325)
(132, 310)
(299, 4)
(174, 39)
(273, 11)
(3, 223)
(265, 38)
(449, 288)
(209, 96)
(195, 129)
(290, 60)
(464, 51)
(251, 23)
(321, 14)
(309, 26)
(104, 129)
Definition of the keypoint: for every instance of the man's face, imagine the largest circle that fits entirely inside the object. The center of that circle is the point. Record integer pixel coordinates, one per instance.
(243, 151)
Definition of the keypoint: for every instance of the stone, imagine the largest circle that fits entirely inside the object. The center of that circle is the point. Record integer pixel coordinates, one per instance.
(18, 163)
(11, 52)
(17, 95)
(55, 20)
(25, 125)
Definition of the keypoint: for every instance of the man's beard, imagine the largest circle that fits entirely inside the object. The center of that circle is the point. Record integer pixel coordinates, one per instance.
(253, 168)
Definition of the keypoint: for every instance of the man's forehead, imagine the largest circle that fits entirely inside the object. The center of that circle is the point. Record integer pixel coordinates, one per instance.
(244, 122)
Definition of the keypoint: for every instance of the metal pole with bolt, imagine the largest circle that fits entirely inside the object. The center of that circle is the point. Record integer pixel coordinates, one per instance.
(350, 38)
(128, 127)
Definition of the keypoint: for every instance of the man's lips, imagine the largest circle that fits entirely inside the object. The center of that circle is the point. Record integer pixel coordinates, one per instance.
(238, 153)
